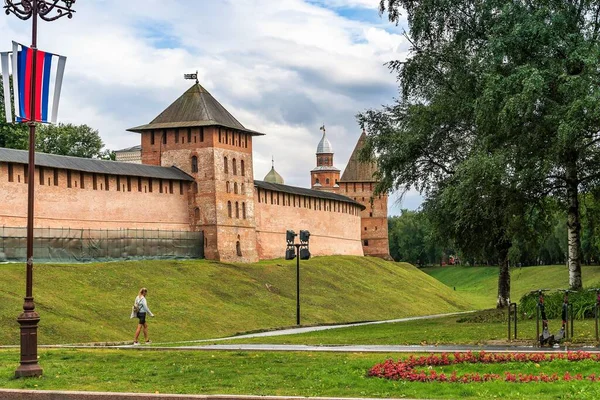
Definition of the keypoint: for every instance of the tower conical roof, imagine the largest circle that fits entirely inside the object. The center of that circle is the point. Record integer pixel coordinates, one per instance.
(356, 170)
(274, 177)
(196, 107)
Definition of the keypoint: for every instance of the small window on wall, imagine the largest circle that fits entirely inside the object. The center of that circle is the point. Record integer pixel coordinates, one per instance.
(234, 167)
(244, 210)
(202, 134)
(11, 176)
(238, 248)
(229, 209)
(237, 210)
(152, 137)
(118, 183)
(106, 183)
(365, 242)
(327, 181)
(243, 191)
(82, 180)
(194, 187)
(227, 187)
(243, 168)
(68, 178)
(164, 136)
(189, 135)
(225, 166)
(197, 213)
(55, 177)
(41, 174)
(194, 164)
(235, 188)
(176, 135)
(94, 181)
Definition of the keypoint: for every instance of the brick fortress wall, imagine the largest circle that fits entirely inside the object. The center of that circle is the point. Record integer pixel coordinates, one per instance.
(334, 225)
(81, 206)
(374, 226)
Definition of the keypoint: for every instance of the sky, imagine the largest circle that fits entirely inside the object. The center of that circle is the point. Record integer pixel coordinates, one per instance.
(281, 67)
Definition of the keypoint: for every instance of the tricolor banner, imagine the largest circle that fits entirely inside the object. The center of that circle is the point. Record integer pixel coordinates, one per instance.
(49, 72)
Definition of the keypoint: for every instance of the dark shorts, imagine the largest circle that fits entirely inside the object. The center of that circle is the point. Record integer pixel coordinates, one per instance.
(142, 317)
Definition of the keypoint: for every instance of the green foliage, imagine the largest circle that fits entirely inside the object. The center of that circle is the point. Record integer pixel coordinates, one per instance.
(583, 303)
(13, 136)
(412, 239)
(69, 140)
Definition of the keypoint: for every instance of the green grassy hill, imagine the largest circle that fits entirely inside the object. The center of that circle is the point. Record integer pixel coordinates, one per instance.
(204, 299)
(479, 285)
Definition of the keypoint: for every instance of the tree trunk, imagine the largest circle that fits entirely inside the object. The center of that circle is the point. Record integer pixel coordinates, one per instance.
(573, 228)
(503, 283)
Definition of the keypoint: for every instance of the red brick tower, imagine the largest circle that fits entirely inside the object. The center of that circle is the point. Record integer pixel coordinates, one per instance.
(325, 176)
(199, 136)
(358, 182)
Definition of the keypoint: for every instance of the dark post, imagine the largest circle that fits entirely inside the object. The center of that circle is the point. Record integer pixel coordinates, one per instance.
(572, 315)
(537, 326)
(297, 283)
(512, 312)
(29, 318)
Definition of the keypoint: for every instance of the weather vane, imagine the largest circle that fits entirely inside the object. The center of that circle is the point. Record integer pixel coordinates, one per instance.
(191, 76)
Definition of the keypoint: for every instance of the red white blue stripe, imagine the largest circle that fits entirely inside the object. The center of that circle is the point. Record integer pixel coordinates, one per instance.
(49, 74)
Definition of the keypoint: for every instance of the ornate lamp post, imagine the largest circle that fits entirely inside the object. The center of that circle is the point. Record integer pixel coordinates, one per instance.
(48, 10)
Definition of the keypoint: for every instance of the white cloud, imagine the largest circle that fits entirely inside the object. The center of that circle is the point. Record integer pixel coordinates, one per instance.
(280, 67)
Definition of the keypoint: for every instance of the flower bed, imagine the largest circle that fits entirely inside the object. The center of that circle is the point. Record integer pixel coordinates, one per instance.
(408, 369)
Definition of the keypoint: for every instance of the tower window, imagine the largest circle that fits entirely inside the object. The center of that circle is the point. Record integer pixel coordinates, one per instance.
(197, 213)
(237, 210)
(365, 242)
(327, 181)
(243, 168)
(152, 137)
(176, 135)
(244, 210)
(189, 135)
(238, 248)
(194, 187)
(228, 187)
(226, 167)
(244, 189)
(202, 134)
(235, 188)
(234, 167)
(194, 164)
(164, 136)
(229, 209)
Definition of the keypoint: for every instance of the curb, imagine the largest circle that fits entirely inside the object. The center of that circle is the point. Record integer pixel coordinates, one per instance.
(8, 394)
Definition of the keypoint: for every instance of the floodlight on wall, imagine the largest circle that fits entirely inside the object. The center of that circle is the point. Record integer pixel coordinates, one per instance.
(290, 237)
(304, 236)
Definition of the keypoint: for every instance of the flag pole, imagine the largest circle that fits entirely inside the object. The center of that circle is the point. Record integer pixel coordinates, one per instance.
(29, 318)
(48, 10)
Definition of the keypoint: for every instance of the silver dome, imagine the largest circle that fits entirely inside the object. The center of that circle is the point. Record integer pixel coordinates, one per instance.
(324, 146)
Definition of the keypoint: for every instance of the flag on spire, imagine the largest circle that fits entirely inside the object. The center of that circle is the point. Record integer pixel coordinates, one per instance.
(49, 74)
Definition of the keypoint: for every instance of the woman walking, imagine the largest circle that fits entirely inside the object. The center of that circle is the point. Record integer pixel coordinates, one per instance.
(142, 309)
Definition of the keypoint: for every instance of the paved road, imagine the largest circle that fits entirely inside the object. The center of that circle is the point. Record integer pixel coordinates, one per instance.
(367, 348)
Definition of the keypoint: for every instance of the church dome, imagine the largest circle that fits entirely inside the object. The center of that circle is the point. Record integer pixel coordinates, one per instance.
(273, 177)
(324, 146)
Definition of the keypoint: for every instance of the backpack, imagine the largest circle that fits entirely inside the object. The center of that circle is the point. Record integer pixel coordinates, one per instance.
(136, 306)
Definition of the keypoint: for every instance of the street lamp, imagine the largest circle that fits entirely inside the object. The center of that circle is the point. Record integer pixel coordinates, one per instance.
(298, 251)
(48, 10)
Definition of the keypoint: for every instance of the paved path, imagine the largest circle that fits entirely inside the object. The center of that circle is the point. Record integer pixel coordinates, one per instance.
(295, 331)
(367, 348)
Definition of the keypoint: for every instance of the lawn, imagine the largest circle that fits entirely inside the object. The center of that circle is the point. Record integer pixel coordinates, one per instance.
(479, 285)
(82, 303)
(277, 373)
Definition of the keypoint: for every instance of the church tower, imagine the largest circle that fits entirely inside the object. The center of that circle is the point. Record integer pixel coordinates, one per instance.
(199, 136)
(358, 182)
(325, 176)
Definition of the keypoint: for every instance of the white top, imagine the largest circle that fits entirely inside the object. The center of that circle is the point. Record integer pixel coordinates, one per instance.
(143, 305)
